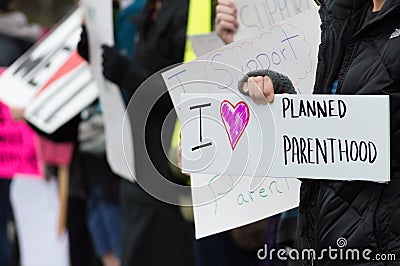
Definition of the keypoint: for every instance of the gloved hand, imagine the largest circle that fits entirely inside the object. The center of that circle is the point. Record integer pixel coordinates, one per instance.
(115, 65)
(261, 85)
(83, 44)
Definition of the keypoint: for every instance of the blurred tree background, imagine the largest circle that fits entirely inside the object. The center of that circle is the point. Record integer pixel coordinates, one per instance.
(46, 12)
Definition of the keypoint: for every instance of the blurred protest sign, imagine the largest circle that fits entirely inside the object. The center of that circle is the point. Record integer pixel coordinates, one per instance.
(18, 153)
(63, 99)
(52, 68)
(119, 141)
(36, 210)
(257, 15)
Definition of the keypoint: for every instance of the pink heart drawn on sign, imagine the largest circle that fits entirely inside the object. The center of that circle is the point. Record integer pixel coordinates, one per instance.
(235, 119)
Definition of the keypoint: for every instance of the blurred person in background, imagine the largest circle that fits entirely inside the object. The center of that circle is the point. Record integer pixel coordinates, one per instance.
(16, 36)
(125, 29)
(93, 179)
(153, 232)
(91, 176)
(16, 33)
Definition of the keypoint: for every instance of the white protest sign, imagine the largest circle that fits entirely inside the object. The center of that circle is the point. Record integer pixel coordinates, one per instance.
(289, 47)
(62, 100)
(257, 15)
(309, 136)
(33, 70)
(36, 209)
(205, 43)
(119, 142)
(253, 16)
(223, 202)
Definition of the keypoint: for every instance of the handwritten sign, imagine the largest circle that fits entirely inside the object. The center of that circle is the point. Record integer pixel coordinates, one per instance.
(119, 141)
(257, 15)
(32, 71)
(18, 154)
(318, 137)
(289, 47)
(224, 202)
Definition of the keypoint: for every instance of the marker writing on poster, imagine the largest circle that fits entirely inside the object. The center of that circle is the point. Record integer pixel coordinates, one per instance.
(235, 119)
(212, 184)
(315, 150)
(261, 14)
(270, 188)
(287, 48)
(201, 145)
(177, 76)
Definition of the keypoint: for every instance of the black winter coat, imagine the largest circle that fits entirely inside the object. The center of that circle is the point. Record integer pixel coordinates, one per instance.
(365, 60)
(160, 44)
(154, 232)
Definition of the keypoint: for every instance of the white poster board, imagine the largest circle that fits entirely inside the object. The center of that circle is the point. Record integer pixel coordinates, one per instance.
(309, 136)
(119, 141)
(223, 202)
(257, 15)
(51, 80)
(219, 72)
(36, 208)
(289, 47)
(63, 100)
(32, 71)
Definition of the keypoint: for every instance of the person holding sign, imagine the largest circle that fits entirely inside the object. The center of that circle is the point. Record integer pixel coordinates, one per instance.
(358, 54)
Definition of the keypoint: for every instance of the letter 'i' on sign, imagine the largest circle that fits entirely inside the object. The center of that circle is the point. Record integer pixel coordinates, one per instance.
(201, 145)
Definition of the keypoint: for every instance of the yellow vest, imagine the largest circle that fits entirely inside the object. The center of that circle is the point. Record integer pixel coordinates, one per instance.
(199, 22)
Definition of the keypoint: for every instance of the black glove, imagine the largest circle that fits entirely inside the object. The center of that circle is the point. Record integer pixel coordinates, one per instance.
(83, 44)
(282, 84)
(115, 65)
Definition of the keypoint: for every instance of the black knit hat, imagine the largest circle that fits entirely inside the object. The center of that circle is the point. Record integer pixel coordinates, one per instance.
(4, 4)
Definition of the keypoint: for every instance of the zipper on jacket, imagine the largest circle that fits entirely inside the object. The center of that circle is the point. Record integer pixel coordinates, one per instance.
(317, 205)
(308, 244)
(317, 224)
(376, 231)
(306, 211)
(322, 63)
(343, 73)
